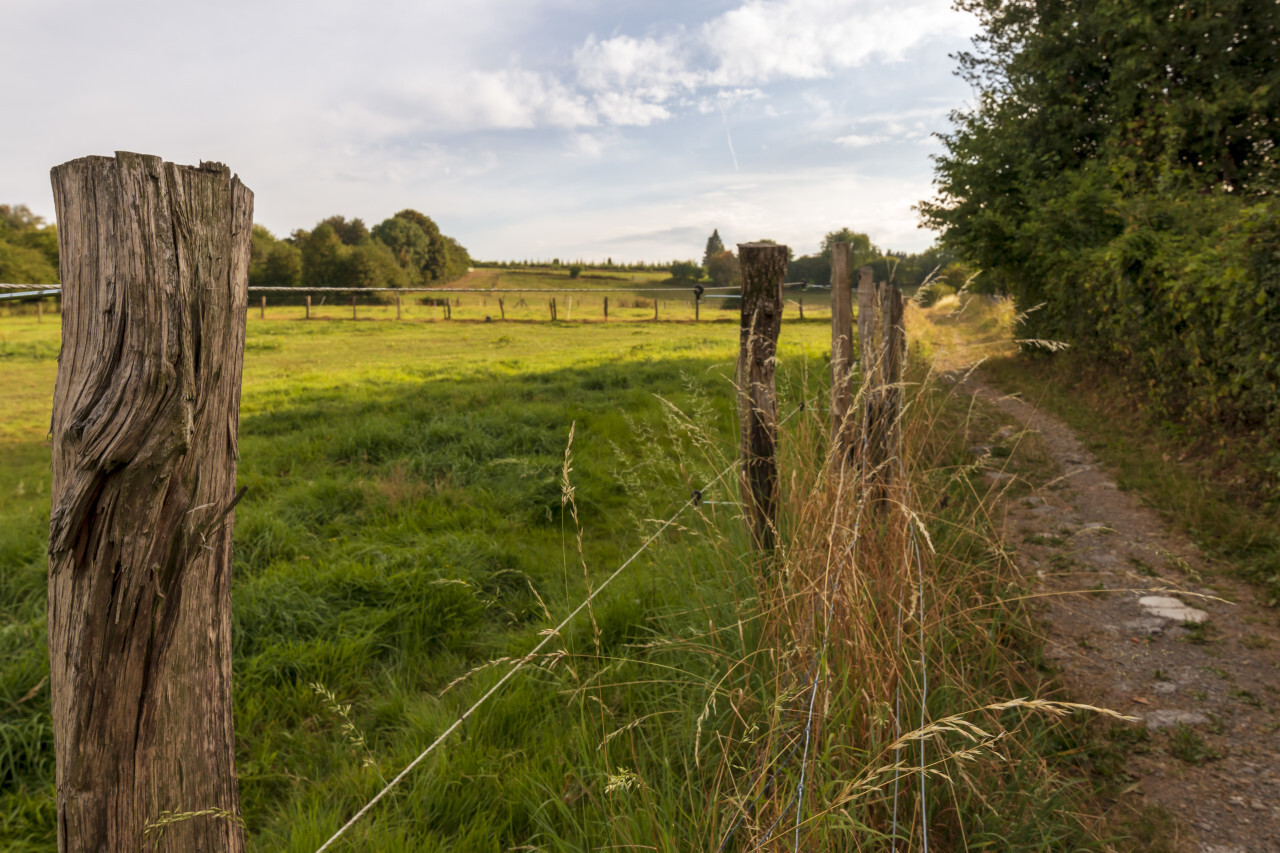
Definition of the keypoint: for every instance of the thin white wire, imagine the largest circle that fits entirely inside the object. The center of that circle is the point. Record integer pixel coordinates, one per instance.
(532, 654)
(514, 669)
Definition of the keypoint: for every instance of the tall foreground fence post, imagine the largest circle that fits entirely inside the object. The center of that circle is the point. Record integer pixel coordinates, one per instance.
(764, 266)
(883, 344)
(843, 421)
(155, 269)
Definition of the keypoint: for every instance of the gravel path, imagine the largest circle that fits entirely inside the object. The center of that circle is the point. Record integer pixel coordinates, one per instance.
(1139, 621)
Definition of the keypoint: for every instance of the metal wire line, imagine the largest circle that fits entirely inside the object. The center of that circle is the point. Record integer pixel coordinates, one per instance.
(533, 653)
(51, 289)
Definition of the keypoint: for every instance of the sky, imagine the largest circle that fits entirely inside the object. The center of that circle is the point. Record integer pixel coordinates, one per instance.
(526, 128)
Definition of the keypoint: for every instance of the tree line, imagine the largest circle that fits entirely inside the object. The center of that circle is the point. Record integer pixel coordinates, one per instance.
(28, 247)
(905, 269)
(404, 250)
(1119, 171)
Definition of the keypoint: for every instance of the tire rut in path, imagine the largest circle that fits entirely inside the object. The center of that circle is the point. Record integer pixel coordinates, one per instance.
(1206, 692)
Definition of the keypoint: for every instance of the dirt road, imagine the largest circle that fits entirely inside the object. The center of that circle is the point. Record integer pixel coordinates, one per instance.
(1139, 621)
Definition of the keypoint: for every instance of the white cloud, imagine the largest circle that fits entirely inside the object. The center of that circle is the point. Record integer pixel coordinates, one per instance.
(654, 68)
(621, 108)
(855, 140)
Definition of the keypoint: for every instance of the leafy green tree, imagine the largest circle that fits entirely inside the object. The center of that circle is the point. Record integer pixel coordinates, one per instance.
(324, 258)
(351, 232)
(283, 267)
(714, 247)
(1118, 170)
(372, 264)
(686, 271)
(28, 247)
(407, 243)
(725, 270)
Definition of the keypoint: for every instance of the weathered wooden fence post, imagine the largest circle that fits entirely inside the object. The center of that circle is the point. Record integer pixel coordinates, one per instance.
(606, 309)
(883, 344)
(308, 306)
(800, 304)
(262, 309)
(502, 307)
(353, 305)
(843, 420)
(764, 266)
(397, 306)
(155, 268)
(655, 308)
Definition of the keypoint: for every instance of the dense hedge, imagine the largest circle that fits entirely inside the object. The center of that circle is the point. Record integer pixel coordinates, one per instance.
(1187, 297)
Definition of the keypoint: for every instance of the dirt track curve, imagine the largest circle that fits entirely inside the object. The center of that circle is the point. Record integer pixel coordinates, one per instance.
(1199, 662)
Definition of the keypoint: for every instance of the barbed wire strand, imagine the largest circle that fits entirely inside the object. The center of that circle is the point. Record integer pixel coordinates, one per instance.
(532, 653)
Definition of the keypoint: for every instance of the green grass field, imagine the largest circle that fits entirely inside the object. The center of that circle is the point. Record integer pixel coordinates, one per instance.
(405, 534)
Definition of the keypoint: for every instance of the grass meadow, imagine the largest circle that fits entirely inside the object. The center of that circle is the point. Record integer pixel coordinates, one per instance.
(426, 499)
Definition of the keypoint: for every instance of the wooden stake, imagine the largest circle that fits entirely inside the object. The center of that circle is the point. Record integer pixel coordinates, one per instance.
(697, 305)
(606, 309)
(502, 308)
(262, 309)
(843, 421)
(655, 308)
(308, 306)
(882, 341)
(353, 306)
(764, 266)
(144, 432)
(397, 306)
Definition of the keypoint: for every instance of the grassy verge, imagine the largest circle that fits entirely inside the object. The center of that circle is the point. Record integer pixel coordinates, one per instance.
(417, 518)
(1208, 484)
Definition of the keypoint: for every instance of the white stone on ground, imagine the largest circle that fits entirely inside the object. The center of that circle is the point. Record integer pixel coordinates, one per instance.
(1168, 607)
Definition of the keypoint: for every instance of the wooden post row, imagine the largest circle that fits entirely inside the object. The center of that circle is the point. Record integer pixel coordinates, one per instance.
(144, 432)
(883, 343)
(844, 422)
(764, 266)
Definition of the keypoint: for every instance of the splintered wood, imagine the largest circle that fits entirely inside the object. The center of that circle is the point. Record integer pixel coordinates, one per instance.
(154, 262)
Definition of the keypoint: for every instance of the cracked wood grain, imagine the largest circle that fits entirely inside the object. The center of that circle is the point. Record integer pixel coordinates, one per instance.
(154, 263)
(764, 266)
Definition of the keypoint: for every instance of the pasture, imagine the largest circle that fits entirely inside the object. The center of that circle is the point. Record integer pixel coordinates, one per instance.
(416, 515)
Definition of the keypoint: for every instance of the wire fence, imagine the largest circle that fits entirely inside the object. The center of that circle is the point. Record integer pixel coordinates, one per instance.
(694, 500)
(788, 745)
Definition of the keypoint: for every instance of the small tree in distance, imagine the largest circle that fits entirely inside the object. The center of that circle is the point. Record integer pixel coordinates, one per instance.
(714, 247)
(686, 271)
(724, 269)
